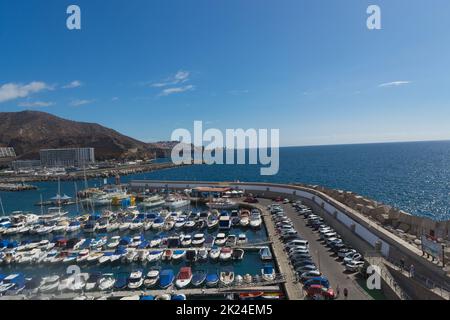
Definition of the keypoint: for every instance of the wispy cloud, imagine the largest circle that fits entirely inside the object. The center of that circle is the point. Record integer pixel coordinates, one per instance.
(170, 91)
(180, 77)
(76, 103)
(11, 91)
(34, 104)
(394, 84)
(73, 84)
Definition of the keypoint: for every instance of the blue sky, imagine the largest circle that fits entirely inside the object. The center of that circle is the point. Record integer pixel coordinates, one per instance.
(308, 67)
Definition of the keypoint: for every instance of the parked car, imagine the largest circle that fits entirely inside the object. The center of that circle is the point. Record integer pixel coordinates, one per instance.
(344, 251)
(321, 292)
(323, 281)
(355, 256)
(310, 267)
(309, 275)
(354, 266)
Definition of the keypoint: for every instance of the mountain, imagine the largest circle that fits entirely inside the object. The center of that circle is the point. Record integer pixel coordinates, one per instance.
(30, 131)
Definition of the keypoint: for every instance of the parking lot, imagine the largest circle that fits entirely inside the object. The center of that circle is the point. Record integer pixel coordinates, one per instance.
(325, 260)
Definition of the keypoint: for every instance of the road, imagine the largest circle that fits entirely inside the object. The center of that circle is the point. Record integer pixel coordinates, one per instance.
(328, 263)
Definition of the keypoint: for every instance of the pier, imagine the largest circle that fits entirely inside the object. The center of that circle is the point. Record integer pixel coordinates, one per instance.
(16, 187)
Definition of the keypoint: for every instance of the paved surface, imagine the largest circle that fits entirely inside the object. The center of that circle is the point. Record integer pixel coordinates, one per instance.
(292, 287)
(328, 263)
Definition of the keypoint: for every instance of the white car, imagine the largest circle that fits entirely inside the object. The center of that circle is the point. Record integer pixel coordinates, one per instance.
(354, 266)
(310, 274)
(352, 257)
(343, 252)
(296, 243)
(298, 250)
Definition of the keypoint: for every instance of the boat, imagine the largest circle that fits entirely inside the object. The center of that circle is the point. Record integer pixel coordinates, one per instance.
(222, 204)
(214, 253)
(231, 240)
(154, 255)
(74, 226)
(238, 254)
(92, 281)
(242, 239)
(136, 225)
(184, 277)
(178, 254)
(49, 284)
(176, 202)
(186, 240)
(106, 282)
(212, 221)
(178, 297)
(82, 256)
(198, 239)
(190, 224)
(94, 257)
(165, 296)
(198, 278)
(158, 223)
(255, 219)
(212, 279)
(151, 278)
(131, 255)
(155, 242)
(268, 273)
(167, 255)
(12, 284)
(121, 281)
(248, 278)
(72, 257)
(224, 222)
(265, 254)
(105, 258)
(166, 278)
(135, 280)
(202, 254)
(180, 222)
(152, 202)
(225, 253)
(114, 242)
(238, 279)
(226, 277)
(220, 240)
(245, 218)
(250, 295)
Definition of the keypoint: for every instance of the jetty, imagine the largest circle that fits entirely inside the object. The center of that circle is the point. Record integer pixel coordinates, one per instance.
(16, 187)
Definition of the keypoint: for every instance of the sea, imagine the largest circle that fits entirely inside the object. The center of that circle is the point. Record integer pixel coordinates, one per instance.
(412, 176)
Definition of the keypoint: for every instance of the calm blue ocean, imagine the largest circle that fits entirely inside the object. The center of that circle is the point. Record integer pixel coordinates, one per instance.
(412, 176)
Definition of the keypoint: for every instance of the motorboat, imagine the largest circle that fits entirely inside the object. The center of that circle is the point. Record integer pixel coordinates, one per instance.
(224, 222)
(135, 280)
(214, 253)
(94, 257)
(156, 241)
(12, 284)
(198, 278)
(165, 296)
(105, 258)
(153, 202)
(82, 256)
(202, 254)
(226, 277)
(268, 273)
(121, 281)
(212, 279)
(238, 254)
(212, 221)
(186, 240)
(245, 218)
(198, 239)
(247, 278)
(238, 279)
(180, 222)
(49, 284)
(231, 240)
(158, 223)
(220, 240)
(176, 202)
(178, 297)
(225, 253)
(242, 239)
(255, 220)
(131, 255)
(222, 204)
(151, 278)
(191, 255)
(154, 255)
(166, 278)
(92, 281)
(265, 253)
(74, 226)
(184, 277)
(178, 254)
(114, 242)
(106, 282)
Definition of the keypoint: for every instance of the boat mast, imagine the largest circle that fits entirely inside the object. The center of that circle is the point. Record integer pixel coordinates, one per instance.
(42, 205)
(76, 196)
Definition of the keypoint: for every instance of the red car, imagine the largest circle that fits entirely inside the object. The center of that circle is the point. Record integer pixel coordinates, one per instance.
(278, 199)
(251, 200)
(319, 291)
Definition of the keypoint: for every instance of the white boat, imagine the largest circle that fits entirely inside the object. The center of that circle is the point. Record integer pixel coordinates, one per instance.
(148, 225)
(131, 256)
(180, 222)
(142, 255)
(268, 273)
(124, 226)
(184, 277)
(79, 282)
(153, 202)
(74, 226)
(226, 277)
(186, 240)
(245, 218)
(136, 226)
(242, 239)
(49, 284)
(152, 278)
(220, 240)
(106, 282)
(135, 280)
(113, 226)
(198, 239)
(176, 202)
(50, 255)
(225, 253)
(154, 255)
(178, 254)
(94, 257)
(255, 220)
(83, 255)
(114, 242)
(231, 240)
(155, 242)
(214, 253)
(222, 204)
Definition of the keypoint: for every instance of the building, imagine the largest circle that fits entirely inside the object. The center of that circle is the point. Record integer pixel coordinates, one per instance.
(26, 164)
(71, 157)
(7, 152)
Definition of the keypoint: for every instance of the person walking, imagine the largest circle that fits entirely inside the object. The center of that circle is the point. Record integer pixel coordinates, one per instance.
(345, 293)
(338, 291)
(411, 271)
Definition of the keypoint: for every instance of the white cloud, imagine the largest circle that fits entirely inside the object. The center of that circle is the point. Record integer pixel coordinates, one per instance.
(73, 84)
(76, 103)
(28, 104)
(170, 91)
(180, 77)
(393, 84)
(11, 91)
